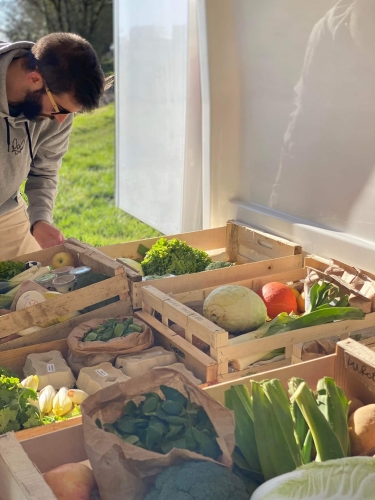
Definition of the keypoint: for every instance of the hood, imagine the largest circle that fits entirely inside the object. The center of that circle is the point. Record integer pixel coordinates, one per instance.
(9, 51)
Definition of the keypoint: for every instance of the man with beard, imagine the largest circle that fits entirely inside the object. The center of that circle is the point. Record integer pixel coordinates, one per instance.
(41, 86)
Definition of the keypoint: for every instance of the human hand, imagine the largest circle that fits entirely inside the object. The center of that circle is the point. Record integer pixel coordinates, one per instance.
(46, 234)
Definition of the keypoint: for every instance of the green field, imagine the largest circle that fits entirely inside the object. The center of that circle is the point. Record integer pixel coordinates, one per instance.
(85, 207)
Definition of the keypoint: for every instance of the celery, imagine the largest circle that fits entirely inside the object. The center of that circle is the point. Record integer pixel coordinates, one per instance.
(333, 404)
(274, 434)
(238, 399)
(326, 442)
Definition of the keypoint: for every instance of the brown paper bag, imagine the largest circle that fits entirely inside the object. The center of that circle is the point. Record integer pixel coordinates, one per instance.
(83, 354)
(318, 348)
(125, 471)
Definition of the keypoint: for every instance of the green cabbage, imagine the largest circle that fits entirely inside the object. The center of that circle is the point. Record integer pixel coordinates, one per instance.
(350, 478)
(235, 308)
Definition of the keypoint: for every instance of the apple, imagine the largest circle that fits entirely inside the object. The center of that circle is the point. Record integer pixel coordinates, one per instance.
(62, 259)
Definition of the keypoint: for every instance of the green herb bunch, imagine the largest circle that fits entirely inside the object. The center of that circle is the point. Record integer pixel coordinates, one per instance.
(174, 257)
(9, 269)
(160, 425)
(16, 412)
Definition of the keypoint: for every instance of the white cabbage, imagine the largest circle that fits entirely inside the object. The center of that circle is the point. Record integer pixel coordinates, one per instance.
(350, 478)
(235, 308)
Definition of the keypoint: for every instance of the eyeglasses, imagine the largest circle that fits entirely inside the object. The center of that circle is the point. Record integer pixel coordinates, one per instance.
(58, 110)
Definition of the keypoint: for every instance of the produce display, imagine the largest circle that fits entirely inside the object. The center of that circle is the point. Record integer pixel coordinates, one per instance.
(112, 328)
(277, 433)
(232, 307)
(159, 425)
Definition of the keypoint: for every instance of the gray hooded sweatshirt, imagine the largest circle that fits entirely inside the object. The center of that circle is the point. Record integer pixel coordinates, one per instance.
(29, 149)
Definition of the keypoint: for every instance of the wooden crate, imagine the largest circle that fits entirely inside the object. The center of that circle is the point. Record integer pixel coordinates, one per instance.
(115, 286)
(297, 351)
(213, 367)
(352, 367)
(234, 242)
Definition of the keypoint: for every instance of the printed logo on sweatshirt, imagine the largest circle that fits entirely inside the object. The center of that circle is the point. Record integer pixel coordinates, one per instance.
(17, 147)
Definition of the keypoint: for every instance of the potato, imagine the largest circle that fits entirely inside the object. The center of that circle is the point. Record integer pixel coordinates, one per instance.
(362, 429)
(71, 481)
(354, 405)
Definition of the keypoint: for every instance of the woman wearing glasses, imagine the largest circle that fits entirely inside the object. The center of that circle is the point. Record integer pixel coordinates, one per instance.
(41, 86)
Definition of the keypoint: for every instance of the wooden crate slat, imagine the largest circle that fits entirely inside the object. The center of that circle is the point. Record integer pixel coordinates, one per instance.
(207, 331)
(310, 371)
(46, 429)
(195, 360)
(207, 279)
(62, 330)
(296, 336)
(62, 305)
(206, 239)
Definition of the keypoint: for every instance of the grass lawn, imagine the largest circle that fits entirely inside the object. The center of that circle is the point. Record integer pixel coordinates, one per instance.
(85, 207)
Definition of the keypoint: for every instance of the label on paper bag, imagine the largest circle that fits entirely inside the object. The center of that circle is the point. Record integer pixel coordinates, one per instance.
(51, 368)
(101, 373)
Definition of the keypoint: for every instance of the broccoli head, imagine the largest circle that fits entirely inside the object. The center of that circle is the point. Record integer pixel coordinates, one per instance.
(197, 481)
(174, 257)
(218, 265)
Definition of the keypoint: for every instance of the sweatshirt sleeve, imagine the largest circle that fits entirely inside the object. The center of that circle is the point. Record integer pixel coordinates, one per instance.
(41, 185)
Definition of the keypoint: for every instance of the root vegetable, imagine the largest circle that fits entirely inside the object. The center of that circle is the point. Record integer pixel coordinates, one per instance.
(354, 405)
(71, 481)
(362, 429)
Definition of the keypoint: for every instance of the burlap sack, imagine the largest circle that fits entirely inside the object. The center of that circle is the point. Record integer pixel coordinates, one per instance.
(81, 354)
(126, 471)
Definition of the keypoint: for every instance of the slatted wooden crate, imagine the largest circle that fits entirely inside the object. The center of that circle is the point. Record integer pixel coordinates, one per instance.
(214, 366)
(234, 242)
(352, 367)
(14, 359)
(116, 286)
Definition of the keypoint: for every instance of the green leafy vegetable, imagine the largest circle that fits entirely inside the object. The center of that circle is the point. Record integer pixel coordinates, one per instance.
(16, 412)
(345, 478)
(9, 269)
(160, 425)
(218, 265)
(112, 328)
(174, 257)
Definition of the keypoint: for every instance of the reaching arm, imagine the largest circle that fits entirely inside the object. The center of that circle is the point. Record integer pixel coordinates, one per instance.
(41, 185)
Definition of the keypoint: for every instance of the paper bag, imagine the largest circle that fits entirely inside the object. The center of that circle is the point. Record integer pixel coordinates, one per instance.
(82, 354)
(125, 471)
(318, 348)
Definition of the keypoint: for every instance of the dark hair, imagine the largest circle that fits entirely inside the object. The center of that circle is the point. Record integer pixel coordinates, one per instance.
(69, 64)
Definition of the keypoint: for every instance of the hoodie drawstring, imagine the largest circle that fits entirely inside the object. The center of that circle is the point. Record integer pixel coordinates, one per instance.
(30, 145)
(8, 133)
(28, 138)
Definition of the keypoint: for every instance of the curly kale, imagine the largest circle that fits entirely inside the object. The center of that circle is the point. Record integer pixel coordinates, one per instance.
(174, 257)
(218, 265)
(197, 481)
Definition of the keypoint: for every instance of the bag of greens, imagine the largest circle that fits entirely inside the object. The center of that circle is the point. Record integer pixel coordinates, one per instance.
(100, 340)
(134, 430)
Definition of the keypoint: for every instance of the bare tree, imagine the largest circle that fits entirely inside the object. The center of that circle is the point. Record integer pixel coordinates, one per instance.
(31, 19)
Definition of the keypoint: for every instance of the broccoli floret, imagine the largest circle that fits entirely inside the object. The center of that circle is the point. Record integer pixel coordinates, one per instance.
(174, 257)
(218, 265)
(197, 481)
